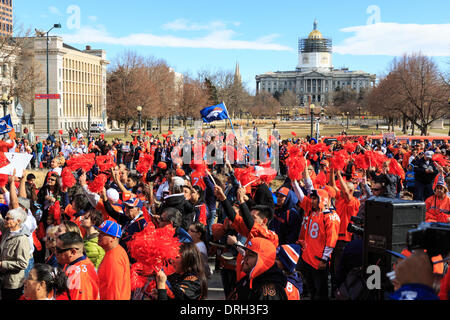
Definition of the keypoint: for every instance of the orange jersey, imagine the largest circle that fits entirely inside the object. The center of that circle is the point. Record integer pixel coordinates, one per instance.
(319, 231)
(437, 210)
(114, 275)
(197, 180)
(83, 280)
(346, 208)
(292, 292)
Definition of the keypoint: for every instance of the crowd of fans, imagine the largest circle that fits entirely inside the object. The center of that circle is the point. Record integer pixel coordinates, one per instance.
(130, 220)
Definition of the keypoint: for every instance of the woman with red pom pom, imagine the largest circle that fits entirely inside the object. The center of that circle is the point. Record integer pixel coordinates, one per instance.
(189, 281)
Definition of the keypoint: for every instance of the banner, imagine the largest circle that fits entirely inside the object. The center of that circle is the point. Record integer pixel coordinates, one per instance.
(214, 113)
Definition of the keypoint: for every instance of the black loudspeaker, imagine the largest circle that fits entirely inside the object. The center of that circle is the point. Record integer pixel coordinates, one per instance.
(386, 224)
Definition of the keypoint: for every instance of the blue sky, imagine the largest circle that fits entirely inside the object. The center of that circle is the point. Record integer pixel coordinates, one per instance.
(261, 35)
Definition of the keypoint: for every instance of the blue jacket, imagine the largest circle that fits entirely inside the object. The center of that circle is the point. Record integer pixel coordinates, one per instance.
(182, 235)
(287, 221)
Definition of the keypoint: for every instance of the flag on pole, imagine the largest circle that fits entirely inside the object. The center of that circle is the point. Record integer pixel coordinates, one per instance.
(6, 126)
(214, 113)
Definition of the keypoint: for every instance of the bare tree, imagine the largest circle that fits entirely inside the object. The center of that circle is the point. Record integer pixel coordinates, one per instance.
(20, 72)
(415, 89)
(289, 99)
(127, 88)
(193, 97)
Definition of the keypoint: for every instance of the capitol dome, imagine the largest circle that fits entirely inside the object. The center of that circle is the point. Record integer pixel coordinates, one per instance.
(315, 34)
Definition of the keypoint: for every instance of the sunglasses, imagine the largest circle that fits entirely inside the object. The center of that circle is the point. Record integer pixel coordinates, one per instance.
(376, 189)
(8, 219)
(54, 180)
(59, 250)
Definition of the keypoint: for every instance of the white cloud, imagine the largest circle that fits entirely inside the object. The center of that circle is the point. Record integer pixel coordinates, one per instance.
(93, 18)
(186, 25)
(54, 10)
(394, 39)
(216, 39)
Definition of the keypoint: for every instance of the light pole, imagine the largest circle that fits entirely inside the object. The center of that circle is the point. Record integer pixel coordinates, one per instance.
(139, 110)
(55, 26)
(5, 102)
(348, 114)
(359, 115)
(89, 107)
(311, 107)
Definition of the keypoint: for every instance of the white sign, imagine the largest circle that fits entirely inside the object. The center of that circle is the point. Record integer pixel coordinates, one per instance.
(18, 161)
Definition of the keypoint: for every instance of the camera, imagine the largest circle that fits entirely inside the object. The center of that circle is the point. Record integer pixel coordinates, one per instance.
(431, 236)
(356, 226)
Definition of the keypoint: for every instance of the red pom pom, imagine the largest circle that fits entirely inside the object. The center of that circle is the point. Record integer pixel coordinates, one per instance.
(375, 159)
(294, 134)
(145, 163)
(67, 179)
(82, 161)
(55, 211)
(396, 169)
(350, 147)
(3, 160)
(440, 160)
(153, 249)
(246, 176)
(4, 178)
(266, 174)
(105, 163)
(360, 161)
(295, 163)
(98, 184)
(339, 160)
(321, 180)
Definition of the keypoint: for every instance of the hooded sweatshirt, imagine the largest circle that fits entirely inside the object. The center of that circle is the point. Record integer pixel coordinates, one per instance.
(265, 281)
(287, 221)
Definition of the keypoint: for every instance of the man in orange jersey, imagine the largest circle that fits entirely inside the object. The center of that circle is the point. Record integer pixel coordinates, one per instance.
(82, 278)
(114, 271)
(318, 238)
(346, 206)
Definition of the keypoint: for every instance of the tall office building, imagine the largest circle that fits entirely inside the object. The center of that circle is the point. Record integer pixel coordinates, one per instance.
(6, 18)
(78, 77)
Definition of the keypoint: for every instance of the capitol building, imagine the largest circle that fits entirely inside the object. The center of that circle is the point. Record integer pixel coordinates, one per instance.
(315, 79)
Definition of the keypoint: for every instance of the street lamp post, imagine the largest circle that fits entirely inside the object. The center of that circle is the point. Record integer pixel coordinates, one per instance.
(89, 107)
(348, 114)
(311, 107)
(5, 102)
(139, 110)
(359, 115)
(55, 26)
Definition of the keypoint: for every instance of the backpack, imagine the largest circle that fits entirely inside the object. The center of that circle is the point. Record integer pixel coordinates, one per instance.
(354, 287)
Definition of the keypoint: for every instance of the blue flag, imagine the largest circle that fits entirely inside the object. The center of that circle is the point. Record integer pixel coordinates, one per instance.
(6, 124)
(214, 113)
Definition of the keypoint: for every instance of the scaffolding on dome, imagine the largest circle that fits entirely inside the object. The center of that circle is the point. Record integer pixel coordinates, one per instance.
(308, 45)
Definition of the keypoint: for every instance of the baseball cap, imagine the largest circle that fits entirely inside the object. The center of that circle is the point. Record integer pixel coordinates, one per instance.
(111, 228)
(134, 202)
(283, 191)
(180, 173)
(178, 181)
(24, 202)
(162, 165)
(429, 154)
(112, 195)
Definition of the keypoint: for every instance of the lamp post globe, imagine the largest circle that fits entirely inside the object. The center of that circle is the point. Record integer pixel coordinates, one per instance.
(139, 110)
